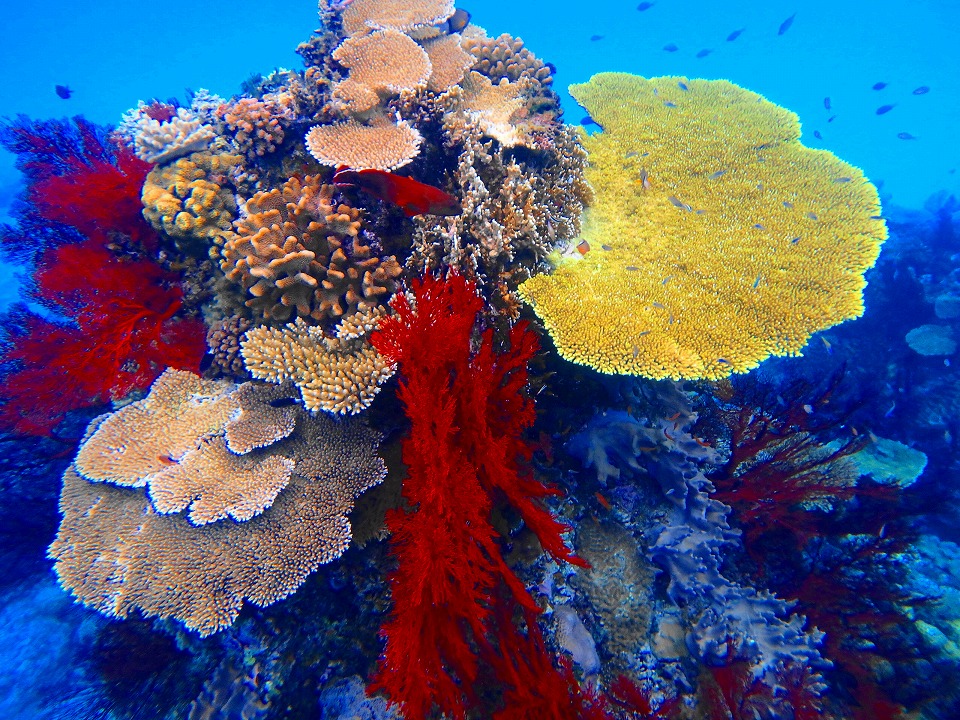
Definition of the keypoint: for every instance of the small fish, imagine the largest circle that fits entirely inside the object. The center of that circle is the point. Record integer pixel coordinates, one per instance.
(282, 402)
(758, 226)
(631, 268)
(795, 240)
(907, 136)
(735, 34)
(645, 6)
(682, 85)
(817, 135)
(703, 53)
(603, 501)
(831, 118)
(666, 279)
(826, 103)
(889, 412)
(884, 109)
(645, 332)
(670, 47)
(636, 351)
(659, 306)
(787, 204)
(166, 460)
(676, 202)
(718, 174)
(812, 216)
(594, 38)
(723, 361)
(843, 179)
(670, 319)
(879, 86)
(854, 431)
(827, 345)
(587, 120)
(644, 179)
(606, 247)
(63, 91)
(808, 409)
(459, 20)
(756, 283)
(583, 247)
(785, 25)
(669, 103)
(632, 153)
(411, 196)
(922, 90)
(700, 212)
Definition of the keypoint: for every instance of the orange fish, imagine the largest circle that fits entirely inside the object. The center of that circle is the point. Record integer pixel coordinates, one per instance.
(414, 198)
(603, 501)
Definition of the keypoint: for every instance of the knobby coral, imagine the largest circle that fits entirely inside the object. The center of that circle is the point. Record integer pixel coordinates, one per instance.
(681, 281)
(170, 497)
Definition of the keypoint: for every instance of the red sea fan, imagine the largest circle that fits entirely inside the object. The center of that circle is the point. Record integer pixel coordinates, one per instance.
(465, 448)
(122, 335)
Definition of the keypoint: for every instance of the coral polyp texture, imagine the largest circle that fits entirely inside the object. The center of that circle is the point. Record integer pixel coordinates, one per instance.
(362, 15)
(299, 253)
(381, 146)
(165, 520)
(717, 239)
(385, 61)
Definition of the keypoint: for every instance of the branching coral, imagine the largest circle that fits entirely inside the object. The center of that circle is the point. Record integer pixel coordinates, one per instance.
(297, 252)
(254, 125)
(121, 548)
(682, 282)
(340, 375)
(191, 198)
(165, 139)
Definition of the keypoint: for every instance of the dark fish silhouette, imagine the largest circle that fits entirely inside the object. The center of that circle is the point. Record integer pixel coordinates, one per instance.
(879, 85)
(63, 91)
(831, 118)
(551, 67)
(670, 47)
(411, 196)
(645, 6)
(826, 103)
(703, 53)
(682, 85)
(884, 109)
(907, 136)
(587, 120)
(594, 38)
(817, 135)
(785, 25)
(922, 90)
(735, 34)
(283, 402)
(459, 20)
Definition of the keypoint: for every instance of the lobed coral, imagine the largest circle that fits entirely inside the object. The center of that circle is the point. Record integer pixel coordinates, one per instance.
(192, 198)
(120, 548)
(162, 139)
(712, 287)
(298, 253)
(340, 374)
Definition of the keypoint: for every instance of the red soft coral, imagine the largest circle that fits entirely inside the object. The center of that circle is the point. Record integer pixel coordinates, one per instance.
(122, 335)
(467, 414)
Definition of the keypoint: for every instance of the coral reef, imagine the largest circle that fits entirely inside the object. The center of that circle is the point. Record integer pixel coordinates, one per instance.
(254, 126)
(161, 138)
(139, 550)
(713, 287)
(297, 252)
(382, 146)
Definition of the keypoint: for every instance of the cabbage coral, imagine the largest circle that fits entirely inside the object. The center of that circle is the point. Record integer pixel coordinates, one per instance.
(717, 239)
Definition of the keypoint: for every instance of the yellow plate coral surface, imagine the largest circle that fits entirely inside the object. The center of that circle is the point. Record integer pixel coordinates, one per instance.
(716, 238)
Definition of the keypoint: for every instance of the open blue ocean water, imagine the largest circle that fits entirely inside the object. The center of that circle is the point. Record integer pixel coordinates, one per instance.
(671, 470)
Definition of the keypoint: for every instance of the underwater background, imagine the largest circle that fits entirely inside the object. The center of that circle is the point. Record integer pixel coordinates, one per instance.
(811, 568)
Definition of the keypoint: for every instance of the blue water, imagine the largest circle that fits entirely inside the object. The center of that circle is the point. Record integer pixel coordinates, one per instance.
(309, 655)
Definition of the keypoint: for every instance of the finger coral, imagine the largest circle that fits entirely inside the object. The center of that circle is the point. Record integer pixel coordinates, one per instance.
(340, 375)
(718, 238)
(381, 146)
(191, 198)
(180, 547)
(254, 125)
(298, 253)
(362, 15)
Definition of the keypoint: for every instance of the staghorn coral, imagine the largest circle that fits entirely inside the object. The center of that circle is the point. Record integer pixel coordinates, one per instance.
(191, 198)
(362, 15)
(124, 548)
(160, 141)
(681, 282)
(297, 253)
(382, 63)
(254, 124)
(340, 375)
(449, 61)
(381, 146)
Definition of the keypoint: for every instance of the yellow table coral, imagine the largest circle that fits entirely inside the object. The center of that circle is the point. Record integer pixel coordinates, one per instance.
(717, 239)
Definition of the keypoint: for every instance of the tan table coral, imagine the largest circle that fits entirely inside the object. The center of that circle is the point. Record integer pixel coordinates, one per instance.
(716, 240)
(362, 15)
(239, 505)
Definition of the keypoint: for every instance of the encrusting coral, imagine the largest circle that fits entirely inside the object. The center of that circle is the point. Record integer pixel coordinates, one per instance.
(297, 252)
(121, 547)
(682, 282)
(191, 197)
(340, 375)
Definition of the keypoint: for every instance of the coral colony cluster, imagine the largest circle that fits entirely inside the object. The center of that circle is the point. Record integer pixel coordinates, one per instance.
(314, 335)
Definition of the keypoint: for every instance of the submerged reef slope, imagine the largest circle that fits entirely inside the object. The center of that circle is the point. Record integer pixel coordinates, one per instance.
(717, 239)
